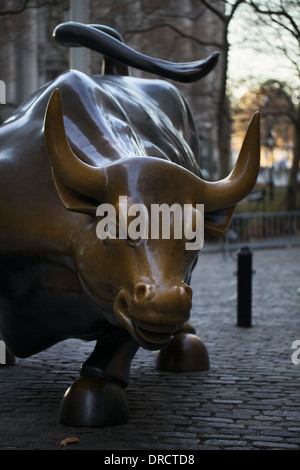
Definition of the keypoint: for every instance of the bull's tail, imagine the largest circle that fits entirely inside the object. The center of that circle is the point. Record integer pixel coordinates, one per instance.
(118, 56)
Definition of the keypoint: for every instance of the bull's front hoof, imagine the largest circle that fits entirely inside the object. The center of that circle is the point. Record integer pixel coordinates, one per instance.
(184, 353)
(94, 401)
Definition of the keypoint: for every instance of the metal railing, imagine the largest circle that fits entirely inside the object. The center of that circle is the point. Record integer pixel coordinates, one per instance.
(259, 230)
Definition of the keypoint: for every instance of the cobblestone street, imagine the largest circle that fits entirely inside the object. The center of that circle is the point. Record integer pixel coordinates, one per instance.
(248, 399)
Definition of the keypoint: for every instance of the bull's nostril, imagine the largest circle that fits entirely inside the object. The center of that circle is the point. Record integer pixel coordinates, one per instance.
(122, 310)
(122, 304)
(189, 292)
(140, 292)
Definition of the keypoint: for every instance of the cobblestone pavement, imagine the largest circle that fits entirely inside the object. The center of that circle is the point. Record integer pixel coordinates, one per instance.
(248, 399)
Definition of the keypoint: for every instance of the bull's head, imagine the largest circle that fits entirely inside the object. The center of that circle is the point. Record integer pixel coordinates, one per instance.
(146, 280)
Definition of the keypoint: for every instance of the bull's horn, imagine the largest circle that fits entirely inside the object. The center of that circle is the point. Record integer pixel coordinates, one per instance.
(240, 182)
(78, 175)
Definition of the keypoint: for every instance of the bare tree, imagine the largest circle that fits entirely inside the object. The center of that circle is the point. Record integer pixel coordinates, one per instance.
(284, 18)
(225, 16)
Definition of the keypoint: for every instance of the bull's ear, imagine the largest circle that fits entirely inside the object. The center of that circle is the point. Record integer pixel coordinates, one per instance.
(216, 223)
(72, 200)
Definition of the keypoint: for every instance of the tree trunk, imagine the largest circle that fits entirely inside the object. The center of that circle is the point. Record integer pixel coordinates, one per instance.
(292, 187)
(223, 117)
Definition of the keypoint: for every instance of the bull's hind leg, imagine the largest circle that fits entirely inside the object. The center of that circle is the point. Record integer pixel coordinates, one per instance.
(185, 352)
(97, 397)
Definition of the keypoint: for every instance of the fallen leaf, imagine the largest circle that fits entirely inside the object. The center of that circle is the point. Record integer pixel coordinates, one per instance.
(68, 440)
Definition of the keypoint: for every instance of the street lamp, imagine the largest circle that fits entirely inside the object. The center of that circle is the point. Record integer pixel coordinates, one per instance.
(270, 144)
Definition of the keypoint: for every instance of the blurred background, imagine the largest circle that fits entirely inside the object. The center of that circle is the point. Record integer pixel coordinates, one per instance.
(258, 69)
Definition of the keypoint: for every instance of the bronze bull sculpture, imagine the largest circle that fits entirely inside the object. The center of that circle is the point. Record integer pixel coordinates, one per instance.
(79, 142)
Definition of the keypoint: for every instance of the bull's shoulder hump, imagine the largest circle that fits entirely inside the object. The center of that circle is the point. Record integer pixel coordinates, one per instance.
(151, 87)
(165, 96)
(38, 100)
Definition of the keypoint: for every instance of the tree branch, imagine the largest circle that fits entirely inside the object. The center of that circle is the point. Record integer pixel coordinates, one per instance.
(234, 8)
(279, 13)
(176, 30)
(276, 113)
(18, 10)
(214, 10)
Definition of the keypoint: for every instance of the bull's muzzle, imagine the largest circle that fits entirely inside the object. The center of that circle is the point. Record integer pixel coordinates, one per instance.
(151, 313)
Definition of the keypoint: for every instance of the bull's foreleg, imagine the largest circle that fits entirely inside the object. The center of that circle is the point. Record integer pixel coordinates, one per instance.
(184, 353)
(97, 397)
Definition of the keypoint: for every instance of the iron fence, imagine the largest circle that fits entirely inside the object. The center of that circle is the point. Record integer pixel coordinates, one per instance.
(259, 230)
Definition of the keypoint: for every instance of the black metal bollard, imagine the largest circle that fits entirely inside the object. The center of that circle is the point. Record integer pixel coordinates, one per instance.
(244, 287)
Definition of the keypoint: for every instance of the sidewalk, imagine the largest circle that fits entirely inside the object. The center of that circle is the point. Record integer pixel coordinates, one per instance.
(249, 399)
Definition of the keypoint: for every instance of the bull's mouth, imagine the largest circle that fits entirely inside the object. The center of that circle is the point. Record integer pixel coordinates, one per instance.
(154, 336)
(147, 335)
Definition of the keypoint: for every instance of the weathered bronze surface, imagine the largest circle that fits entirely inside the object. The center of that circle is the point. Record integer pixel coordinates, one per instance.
(81, 141)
